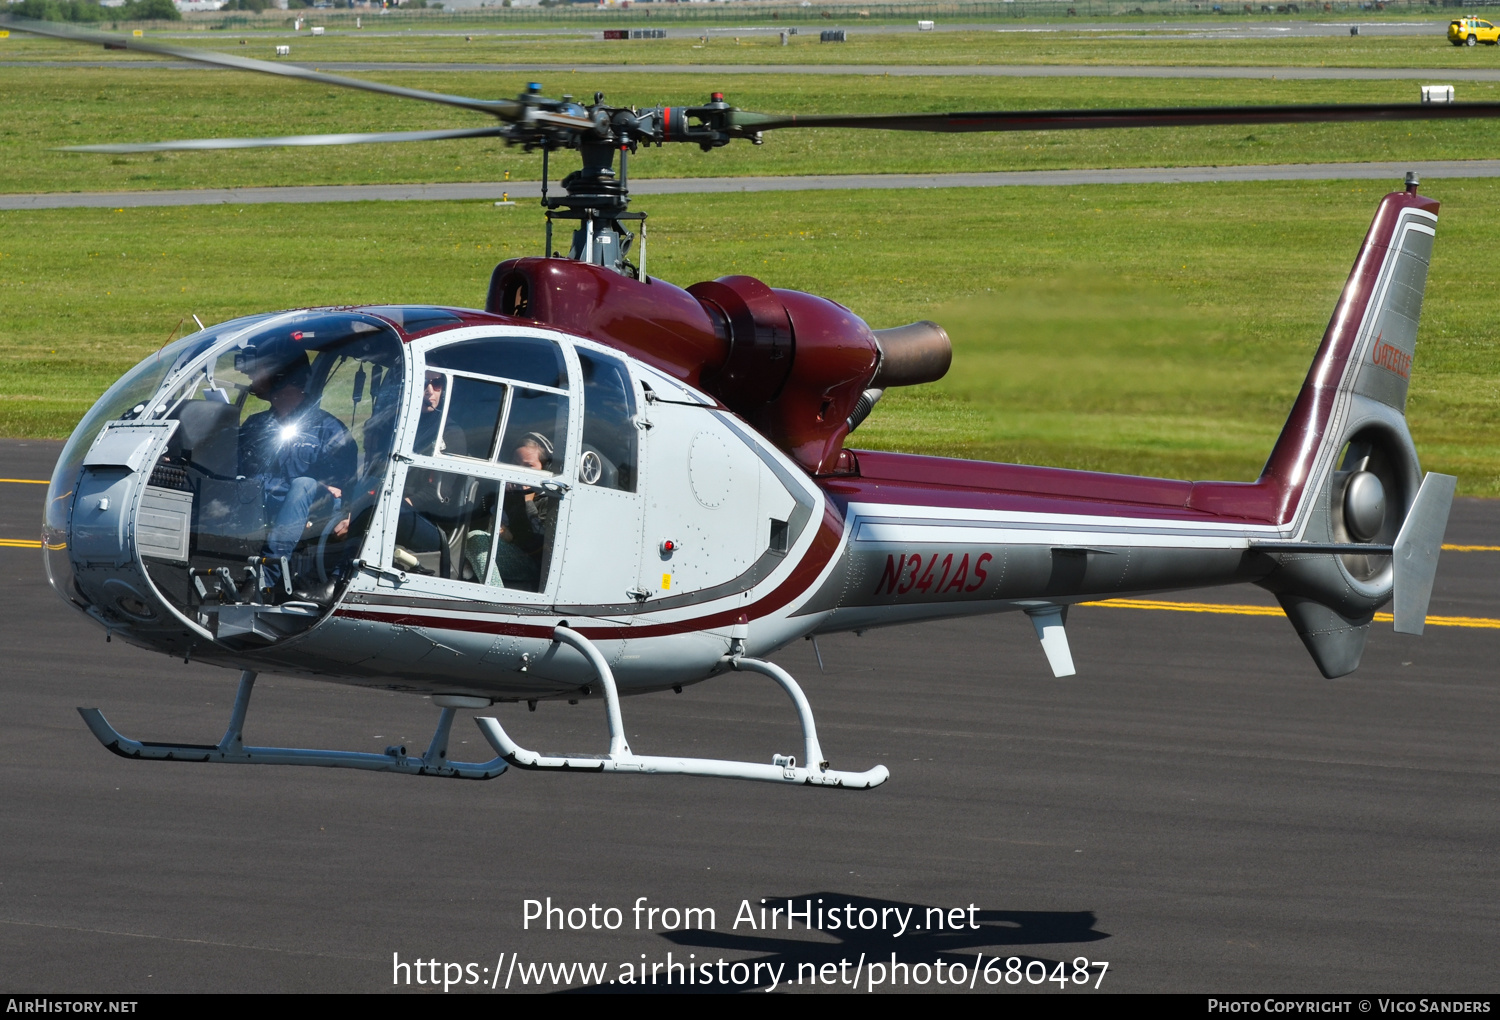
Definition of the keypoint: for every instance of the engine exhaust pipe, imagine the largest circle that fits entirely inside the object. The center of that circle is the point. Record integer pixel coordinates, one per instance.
(909, 355)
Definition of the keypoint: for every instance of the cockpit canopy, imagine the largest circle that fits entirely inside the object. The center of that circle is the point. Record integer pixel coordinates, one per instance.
(235, 416)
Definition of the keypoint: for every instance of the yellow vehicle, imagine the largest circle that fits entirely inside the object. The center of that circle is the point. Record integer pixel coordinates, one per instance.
(1468, 31)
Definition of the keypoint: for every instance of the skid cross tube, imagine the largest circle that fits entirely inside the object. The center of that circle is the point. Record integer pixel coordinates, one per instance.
(783, 769)
(231, 750)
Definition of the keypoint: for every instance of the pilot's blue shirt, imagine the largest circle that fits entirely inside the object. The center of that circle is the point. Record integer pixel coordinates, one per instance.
(310, 443)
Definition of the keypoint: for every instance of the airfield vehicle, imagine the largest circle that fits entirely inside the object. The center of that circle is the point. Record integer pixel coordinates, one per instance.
(1470, 31)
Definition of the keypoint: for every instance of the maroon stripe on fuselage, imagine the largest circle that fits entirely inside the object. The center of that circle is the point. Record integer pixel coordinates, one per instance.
(900, 478)
(799, 583)
(397, 618)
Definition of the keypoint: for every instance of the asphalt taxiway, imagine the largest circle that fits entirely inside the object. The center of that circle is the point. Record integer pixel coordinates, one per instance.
(1427, 170)
(1230, 26)
(852, 70)
(1197, 808)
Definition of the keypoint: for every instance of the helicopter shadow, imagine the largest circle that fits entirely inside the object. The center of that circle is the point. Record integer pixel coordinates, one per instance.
(801, 956)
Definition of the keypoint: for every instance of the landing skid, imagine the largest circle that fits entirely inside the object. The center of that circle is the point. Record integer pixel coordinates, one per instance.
(232, 751)
(783, 768)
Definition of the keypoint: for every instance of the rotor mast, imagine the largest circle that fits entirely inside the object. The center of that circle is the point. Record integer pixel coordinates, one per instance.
(599, 199)
(595, 196)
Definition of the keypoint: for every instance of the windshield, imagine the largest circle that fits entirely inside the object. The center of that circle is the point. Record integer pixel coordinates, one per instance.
(251, 517)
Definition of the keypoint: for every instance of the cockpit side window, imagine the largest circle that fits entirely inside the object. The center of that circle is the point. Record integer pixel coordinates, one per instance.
(473, 419)
(478, 530)
(608, 456)
(536, 431)
(503, 401)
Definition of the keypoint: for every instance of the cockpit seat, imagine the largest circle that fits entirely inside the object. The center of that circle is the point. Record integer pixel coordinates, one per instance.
(208, 437)
(228, 516)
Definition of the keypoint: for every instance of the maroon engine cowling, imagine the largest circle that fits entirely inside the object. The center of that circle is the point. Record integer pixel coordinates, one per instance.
(792, 364)
(663, 325)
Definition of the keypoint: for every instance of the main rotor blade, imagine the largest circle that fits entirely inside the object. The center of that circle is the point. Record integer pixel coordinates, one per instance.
(260, 143)
(505, 109)
(745, 122)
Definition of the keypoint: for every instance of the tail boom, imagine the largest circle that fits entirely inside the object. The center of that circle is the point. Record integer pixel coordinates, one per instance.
(929, 537)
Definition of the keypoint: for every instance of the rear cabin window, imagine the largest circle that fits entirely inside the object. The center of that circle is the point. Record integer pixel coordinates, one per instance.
(608, 456)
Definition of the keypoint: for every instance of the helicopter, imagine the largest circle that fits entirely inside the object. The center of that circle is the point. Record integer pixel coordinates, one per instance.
(603, 484)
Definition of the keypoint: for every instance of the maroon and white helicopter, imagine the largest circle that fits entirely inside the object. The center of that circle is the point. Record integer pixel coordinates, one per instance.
(605, 484)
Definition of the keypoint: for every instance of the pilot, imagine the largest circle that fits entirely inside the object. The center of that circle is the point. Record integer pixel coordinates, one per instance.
(299, 451)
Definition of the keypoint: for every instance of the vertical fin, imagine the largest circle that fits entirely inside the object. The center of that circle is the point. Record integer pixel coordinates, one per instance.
(1335, 641)
(1344, 470)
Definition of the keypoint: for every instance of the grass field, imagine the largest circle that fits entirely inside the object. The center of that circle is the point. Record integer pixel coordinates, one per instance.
(1154, 329)
(1184, 47)
(43, 108)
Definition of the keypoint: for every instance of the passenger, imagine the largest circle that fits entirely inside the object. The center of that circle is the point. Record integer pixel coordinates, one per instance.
(432, 498)
(435, 491)
(534, 452)
(432, 501)
(296, 449)
(426, 443)
(528, 519)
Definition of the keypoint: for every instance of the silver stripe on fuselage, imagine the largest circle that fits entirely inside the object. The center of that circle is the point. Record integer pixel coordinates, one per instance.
(929, 525)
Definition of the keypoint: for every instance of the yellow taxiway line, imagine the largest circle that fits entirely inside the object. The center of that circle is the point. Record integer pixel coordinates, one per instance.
(1480, 622)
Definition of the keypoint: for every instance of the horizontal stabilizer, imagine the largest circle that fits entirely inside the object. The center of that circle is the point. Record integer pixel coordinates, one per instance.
(1417, 549)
